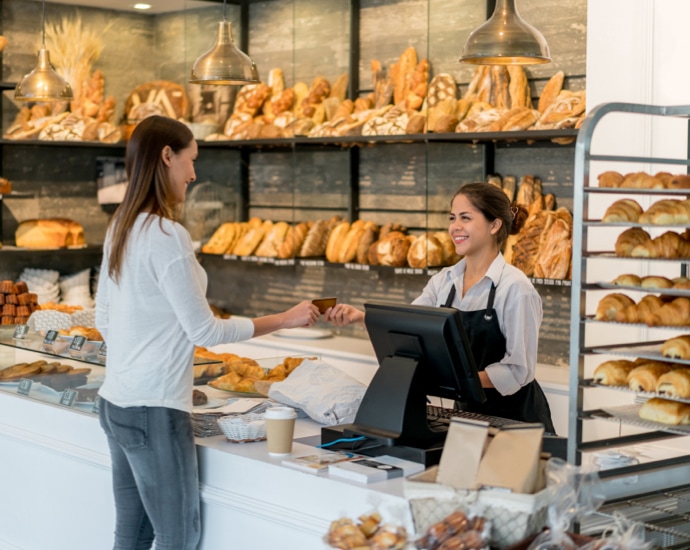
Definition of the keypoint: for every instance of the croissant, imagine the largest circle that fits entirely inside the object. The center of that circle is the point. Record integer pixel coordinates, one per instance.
(669, 245)
(629, 240)
(641, 180)
(613, 373)
(627, 279)
(623, 210)
(610, 179)
(675, 383)
(656, 281)
(667, 212)
(681, 181)
(645, 377)
(681, 283)
(641, 312)
(675, 313)
(678, 347)
(610, 305)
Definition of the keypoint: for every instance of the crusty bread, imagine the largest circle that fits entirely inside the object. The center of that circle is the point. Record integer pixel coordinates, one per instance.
(49, 233)
(293, 240)
(665, 411)
(272, 240)
(392, 249)
(425, 250)
(371, 231)
(336, 240)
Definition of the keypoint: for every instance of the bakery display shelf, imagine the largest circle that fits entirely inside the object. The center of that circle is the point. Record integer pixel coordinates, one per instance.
(17, 195)
(607, 255)
(644, 350)
(635, 191)
(590, 319)
(630, 414)
(600, 223)
(665, 516)
(679, 292)
(590, 383)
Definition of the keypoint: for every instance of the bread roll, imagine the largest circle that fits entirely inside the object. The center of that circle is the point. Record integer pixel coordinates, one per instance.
(645, 377)
(49, 233)
(610, 305)
(665, 412)
(677, 348)
(613, 373)
(627, 279)
(675, 383)
(623, 210)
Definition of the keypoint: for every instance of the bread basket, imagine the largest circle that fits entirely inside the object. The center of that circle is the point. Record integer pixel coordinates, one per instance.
(243, 428)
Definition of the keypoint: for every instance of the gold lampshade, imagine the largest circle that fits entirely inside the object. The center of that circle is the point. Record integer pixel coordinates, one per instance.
(505, 39)
(224, 63)
(43, 83)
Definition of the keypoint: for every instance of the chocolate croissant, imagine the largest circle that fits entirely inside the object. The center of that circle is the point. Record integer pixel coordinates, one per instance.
(677, 348)
(675, 383)
(646, 376)
(613, 373)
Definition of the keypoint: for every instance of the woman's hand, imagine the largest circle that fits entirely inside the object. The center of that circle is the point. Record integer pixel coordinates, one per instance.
(304, 314)
(343, 314)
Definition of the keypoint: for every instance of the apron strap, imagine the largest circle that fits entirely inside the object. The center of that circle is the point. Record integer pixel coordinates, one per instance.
(451, 297)
(489, 312)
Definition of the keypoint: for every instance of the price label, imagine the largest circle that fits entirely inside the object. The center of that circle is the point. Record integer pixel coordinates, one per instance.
(20, 332)
(102, 351)
(96, 405)
(49, 340)
(75, 348)
(24, 386)
(68, 397)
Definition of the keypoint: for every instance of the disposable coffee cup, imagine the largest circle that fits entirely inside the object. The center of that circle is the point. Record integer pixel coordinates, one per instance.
(280, 428)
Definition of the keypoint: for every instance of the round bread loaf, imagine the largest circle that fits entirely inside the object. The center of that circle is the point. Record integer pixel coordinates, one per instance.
(426, 250)
(392, 249)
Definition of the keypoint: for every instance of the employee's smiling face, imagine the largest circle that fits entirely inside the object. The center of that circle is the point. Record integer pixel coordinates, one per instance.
(469, 228)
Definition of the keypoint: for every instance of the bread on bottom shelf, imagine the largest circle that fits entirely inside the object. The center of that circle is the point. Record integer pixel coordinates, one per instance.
(665, 411)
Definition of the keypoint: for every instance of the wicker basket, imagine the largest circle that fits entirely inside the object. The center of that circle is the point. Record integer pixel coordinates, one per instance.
(243, 428)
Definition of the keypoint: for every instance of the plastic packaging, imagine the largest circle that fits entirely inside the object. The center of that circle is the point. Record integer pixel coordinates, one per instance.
(623, 535)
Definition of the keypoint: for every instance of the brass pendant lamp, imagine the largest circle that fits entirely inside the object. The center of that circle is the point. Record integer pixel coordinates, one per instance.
(505, 39)
(43, 83)
(224, 63)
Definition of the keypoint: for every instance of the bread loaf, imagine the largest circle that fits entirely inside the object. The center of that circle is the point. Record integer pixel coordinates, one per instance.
(293, 240)
(665, 412)
(613, 373)
(348, 249)
(49, 233)
(677, 348)
(272, 240)
(551, 90)
(371, 232)
(221, 240)
(316, 240)
(555, 249)
(675, 383)
(336, 241)
(392, 249)
(645, 377)
(425, 250)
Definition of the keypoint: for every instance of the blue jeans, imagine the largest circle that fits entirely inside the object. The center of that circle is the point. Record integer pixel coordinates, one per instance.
(155, 477)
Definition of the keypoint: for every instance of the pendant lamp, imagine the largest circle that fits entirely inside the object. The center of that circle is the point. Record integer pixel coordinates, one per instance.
(505, 39)
(43, 83)
(224, 63)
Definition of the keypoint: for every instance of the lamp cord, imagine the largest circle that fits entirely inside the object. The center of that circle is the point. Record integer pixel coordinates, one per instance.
(43, 33)
(225, 6)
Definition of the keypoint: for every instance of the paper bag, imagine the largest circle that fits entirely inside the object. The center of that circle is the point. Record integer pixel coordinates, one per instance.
(462, 452)
(511, 460)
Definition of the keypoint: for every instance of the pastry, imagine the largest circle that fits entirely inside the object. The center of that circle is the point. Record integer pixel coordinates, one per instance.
(677, 348)
(665, 411)
(645, 377)
(641, 180)
(5, 186)
(613, 373)
(641, 312)
(667, 212)
(675, 313)
(656, 282)
(675, 383)
(610, 305)
(668, 245)
(610, 179)
(627, 279)
(623, 210)
(629, 240)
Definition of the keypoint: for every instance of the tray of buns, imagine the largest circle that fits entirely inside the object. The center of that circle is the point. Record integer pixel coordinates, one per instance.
(630, 414)
(589, 382)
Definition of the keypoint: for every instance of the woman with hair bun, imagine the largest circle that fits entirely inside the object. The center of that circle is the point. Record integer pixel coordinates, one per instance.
(500, 309)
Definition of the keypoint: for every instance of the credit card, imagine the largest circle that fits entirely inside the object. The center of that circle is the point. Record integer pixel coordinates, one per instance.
(324, 303)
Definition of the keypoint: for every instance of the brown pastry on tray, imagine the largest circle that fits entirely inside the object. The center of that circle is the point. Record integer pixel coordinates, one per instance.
(627, 279)
(623, 210)
(610, 305)
(665, 411)
(199, 398)
(610, 179)
(646, 376)
(613, 373)
(629, 240)
(677, 348)
(675, 383)
(667, 212)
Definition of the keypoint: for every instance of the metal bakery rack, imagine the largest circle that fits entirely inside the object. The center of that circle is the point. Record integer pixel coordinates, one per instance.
(651, 489)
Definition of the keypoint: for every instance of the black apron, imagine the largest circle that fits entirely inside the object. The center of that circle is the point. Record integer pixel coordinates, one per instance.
(488, 345)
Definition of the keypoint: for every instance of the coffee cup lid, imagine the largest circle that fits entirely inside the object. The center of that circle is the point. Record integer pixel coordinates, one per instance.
(280, 412)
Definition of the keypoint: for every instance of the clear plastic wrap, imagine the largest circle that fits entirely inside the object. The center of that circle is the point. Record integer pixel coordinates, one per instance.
(457, 531)
(623, 535)
(575, 492)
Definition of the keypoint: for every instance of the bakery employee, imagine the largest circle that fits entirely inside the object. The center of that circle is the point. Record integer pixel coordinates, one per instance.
(500, 309)
(151, 309)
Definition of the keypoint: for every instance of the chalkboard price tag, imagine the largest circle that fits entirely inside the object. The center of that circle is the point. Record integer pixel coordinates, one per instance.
(49, 340)
(78, 343)
(103, 350)
(24, 386)
(96, 405)
(68, 397)
(20, 331)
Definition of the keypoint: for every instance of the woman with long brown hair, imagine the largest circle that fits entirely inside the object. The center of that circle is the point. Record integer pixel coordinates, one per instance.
(152, 311)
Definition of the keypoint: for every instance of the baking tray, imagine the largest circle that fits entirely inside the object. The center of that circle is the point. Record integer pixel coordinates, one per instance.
(646, 394)
(630, 415)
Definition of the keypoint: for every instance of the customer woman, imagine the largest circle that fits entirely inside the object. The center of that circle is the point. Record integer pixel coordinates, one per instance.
(151, 309)
(500, 309)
